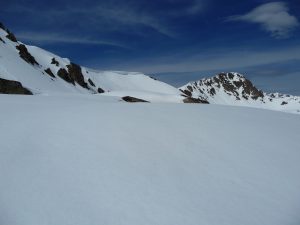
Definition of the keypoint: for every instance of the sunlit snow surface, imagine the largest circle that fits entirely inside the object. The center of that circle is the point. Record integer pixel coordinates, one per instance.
(90, 160)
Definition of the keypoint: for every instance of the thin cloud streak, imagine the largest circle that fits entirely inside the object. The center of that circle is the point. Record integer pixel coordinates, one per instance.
(41, 38)
(196, 7)
(110, 17)
(107, 16)
(221, 61)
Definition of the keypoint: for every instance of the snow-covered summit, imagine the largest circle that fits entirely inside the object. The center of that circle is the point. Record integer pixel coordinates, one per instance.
(235, 89)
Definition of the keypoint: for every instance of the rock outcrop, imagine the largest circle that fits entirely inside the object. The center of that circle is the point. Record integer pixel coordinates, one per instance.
(13, 87)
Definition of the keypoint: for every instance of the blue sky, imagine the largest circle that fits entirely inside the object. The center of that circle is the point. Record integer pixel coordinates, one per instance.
(177, 40)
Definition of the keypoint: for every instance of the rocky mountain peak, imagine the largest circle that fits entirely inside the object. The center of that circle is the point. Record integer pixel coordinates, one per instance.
(235, 89)
(233, 84)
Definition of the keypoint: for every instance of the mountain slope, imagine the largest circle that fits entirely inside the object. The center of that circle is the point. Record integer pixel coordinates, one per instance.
(42, 72)
(31, 70)
(235, 89)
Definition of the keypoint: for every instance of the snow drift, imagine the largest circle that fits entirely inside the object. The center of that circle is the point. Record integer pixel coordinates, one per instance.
(88, 159)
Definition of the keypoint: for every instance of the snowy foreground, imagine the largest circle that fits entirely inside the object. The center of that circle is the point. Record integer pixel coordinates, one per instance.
(90, 160)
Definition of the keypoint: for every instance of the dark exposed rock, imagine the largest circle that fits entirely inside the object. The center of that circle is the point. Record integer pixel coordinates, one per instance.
(2, 40)
(189, 88)
(231, 76)
(238, 84)
(153, 78)
(284, 103)
(189, 99)
(91, 82)
(226, 84)
(49, 72)
(216, 79)
(195, 100)
(201, 91)
(11, 37)
(229, 87)
(55, 62)
(24, 54)
(100, 90)
(76, 74)
(13, 87)
(209, 83)
(212, 91)
(63, 73)
(133, 99)
(251, 90)
(186, 92)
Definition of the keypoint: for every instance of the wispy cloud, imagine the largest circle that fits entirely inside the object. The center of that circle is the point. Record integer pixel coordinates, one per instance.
(127, 16)
(196, 7)
(274, 17)
(188, 9)
(220, 60)
(102, 16)
(42, 38)
(112, 16)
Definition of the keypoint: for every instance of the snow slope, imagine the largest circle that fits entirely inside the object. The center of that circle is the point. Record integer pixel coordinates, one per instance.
(86, 159)
(34, 77)
(235, 89)
(13, 67)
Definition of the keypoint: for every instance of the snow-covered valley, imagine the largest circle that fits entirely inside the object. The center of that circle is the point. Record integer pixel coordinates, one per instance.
(74, 152)
(89, 159)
